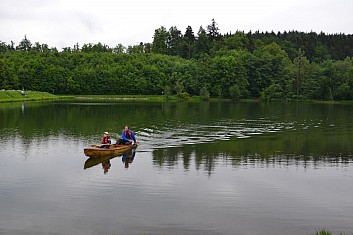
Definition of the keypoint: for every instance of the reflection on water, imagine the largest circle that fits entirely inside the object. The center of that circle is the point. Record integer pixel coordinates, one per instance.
(127, 158)
(299, 129)
(202, 168)
(93, 161)
(206, 131)
(207, 157)
(106, 166)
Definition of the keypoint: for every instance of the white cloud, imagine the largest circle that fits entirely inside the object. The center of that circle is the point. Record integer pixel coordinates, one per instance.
(63, 23)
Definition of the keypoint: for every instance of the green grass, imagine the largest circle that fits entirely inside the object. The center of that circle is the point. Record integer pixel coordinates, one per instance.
(16, 96)
(120, 97)
(323, 232)
(133, 98)
(333, 102)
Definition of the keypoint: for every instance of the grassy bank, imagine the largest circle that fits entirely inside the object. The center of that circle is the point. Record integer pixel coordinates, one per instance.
(134, 98)
(16, 96)
(121, 97)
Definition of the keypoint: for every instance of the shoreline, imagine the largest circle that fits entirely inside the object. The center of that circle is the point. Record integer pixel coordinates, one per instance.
(8, 96)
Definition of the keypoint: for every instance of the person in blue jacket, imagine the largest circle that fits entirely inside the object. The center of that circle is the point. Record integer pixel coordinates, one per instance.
(127, 136)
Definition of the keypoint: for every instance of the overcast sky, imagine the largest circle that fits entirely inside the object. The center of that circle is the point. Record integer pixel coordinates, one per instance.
(62, 23)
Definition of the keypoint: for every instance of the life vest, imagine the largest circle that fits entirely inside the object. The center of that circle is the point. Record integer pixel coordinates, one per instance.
(105, 140)
(128, 134)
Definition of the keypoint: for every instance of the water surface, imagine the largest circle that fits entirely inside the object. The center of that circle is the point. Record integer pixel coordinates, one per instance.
(200, 168)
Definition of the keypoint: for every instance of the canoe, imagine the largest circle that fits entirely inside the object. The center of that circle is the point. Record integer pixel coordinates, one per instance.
(113, 150)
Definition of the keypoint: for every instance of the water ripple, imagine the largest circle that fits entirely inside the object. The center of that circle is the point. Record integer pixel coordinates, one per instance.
(168, 135)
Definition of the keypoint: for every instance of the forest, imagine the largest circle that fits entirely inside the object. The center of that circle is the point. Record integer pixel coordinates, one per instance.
(258, 65)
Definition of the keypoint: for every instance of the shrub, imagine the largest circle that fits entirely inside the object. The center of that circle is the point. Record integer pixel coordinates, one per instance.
(183, 95)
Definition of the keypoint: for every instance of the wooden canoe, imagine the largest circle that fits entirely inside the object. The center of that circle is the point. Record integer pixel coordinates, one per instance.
(113, 150)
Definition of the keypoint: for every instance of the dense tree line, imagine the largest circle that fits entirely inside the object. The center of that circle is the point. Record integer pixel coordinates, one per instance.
(288, 65)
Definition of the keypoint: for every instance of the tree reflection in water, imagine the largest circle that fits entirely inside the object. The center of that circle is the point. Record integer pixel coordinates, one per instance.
(208, 156)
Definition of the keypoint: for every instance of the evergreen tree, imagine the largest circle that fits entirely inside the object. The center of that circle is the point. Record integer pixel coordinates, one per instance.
(299, 64)
(160, 40)
(213, 30)
(202, 44)
(119, 49)
(3, 47)
(25, 45)
(187, 43)
(174, 41)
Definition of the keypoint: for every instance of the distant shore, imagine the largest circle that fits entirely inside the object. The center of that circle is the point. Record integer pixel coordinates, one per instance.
(133, 98)
(17, 96)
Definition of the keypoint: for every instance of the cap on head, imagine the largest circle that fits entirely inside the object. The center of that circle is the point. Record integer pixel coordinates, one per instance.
(106, 133)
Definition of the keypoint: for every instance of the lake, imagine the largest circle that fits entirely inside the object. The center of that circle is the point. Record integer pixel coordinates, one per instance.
(200, 168)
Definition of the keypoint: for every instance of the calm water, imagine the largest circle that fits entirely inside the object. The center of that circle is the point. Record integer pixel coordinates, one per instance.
(201, 168)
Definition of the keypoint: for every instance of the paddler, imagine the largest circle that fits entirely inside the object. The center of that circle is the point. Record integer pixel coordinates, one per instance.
(105, 140)
(127, 136)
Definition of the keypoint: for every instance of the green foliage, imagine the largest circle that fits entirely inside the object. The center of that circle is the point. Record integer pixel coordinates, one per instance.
(204, 93)
(16, 95)
(272, 92)
(213, 30)
(344, 92)
(237, 41)
(25, 45)
(289, 65)
(167, 91)
(187, 43)
(323, 232)
(174, 41)
(183, 95)
(234, 92)
(229, 71)
(202, 45)
(160, 40)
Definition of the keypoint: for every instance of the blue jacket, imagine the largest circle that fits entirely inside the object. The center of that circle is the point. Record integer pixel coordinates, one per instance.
(128, 136)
